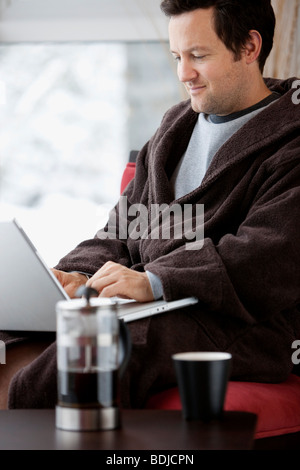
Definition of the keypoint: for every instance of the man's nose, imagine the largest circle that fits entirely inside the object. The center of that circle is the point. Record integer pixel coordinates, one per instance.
(186, 71)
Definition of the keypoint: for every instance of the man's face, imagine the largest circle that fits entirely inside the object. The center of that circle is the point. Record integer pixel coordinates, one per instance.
(215, 81)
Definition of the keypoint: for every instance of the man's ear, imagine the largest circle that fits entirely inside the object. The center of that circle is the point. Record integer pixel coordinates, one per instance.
(252, 48)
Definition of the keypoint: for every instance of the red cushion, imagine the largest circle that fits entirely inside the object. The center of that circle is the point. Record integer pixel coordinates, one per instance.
(127, 176)
(277, 406)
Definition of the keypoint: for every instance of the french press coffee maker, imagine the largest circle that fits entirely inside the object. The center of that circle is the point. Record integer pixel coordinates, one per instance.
(93, 349)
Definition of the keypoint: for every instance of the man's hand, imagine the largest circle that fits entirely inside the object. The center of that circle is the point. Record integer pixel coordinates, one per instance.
(70, 281)
(116, 280)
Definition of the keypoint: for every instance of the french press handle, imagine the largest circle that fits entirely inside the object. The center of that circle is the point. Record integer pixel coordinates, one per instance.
(124, 347)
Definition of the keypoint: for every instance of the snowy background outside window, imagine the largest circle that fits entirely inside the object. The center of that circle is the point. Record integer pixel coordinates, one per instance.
(69, 116)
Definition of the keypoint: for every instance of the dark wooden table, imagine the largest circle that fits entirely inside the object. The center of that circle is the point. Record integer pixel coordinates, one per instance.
(140, 430)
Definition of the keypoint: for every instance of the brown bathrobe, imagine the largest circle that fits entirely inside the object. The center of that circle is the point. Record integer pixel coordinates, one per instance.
(246, 276)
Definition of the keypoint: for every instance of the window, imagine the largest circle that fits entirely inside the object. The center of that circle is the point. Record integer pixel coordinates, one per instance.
(69, 115)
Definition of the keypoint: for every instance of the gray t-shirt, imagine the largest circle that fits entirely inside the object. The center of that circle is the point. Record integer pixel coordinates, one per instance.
(209, 134)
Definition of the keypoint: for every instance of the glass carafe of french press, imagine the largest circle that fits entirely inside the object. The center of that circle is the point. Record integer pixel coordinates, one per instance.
(93, 349)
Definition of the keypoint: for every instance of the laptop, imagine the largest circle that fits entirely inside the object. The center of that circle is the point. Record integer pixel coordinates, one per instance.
(29, 291)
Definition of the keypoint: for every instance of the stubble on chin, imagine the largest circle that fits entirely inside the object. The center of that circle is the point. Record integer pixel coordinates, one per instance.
(203, 106)
(210, 105)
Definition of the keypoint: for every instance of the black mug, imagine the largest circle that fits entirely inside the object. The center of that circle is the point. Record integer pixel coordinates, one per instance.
(202, 381)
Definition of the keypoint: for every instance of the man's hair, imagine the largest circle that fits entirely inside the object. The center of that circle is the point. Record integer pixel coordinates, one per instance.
(233, 20)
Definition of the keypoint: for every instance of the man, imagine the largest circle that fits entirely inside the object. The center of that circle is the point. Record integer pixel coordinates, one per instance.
(234, 148)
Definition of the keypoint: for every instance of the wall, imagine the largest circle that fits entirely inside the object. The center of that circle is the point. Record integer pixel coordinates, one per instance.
(81, 20)
(284, 60)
